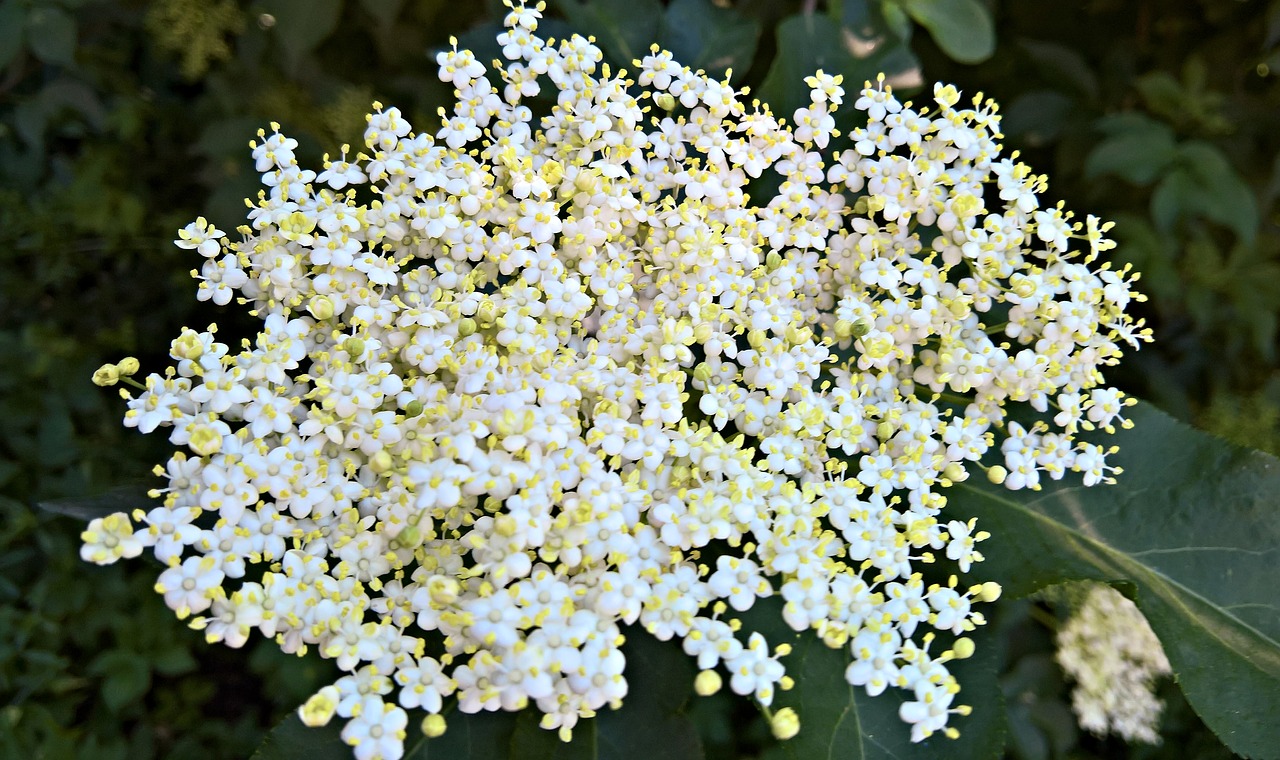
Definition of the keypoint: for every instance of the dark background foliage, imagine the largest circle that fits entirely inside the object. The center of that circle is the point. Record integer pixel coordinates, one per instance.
(120, 121)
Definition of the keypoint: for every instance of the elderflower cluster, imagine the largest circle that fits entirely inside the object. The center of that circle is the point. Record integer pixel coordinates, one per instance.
(1109, 650)
(606, 349)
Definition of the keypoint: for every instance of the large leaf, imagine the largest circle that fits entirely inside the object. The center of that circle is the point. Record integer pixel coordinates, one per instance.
(1226, 197)
(702, 36)
(51, 35)
(962, 28)
(649, 725)
(808, 42)
(1137, 148)
(11, 17)
(301, 25)
(625, 28)
(840, 722)
(1192, 532)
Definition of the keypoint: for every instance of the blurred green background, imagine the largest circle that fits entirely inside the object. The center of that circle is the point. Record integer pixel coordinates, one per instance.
(122, 121)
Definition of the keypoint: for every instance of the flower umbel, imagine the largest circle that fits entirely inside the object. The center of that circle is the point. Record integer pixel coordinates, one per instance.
(525, 379)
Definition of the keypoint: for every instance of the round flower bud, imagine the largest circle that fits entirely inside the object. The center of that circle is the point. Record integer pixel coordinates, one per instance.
(413, 408)
(320, 307)
(205, 441)
(785, 723)
(707, 683)
(410, 537)
(433, 726)
(665, 100)
(319, 709)
(107, 374)
(354, 347)
(990, 591)
(187, 346)
(381, 462)
(128, 366)
(997, 474)
(963, 648)
(443, 589)
(466, 326)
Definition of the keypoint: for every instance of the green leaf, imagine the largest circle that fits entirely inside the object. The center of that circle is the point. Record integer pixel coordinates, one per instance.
(962, 28)
(127, 676)
(650, 724)
(840, 722)
(1223, 195)
(624, 28)
(1062, 66)
(1175, 194)
(291, 739)
(808, 42)
(703, 36)
(121, 499)
(1138, 149)
(301, 25)
(383, 11)
(1192, 531)
(51, 35)
(11, 17)
(1038, 117)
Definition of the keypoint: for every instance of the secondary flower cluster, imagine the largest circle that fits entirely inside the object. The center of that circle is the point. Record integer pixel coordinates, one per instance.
(1110, 651)
(528, 378)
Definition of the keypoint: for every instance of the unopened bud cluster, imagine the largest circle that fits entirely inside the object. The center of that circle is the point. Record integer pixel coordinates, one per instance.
(1110, 652)
(528, 378)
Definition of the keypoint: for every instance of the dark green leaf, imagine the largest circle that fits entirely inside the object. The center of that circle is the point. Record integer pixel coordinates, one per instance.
(1176, 193)
(962, 28)
(702, 36)
(122, 499)
(624, 28)
(1192, 530)
(384, 11)
(1137, 149)
(127, 675)
(301, 25)
(11, 16)
(1038, 117)
(51, 35)
(1062, 66)
(291, 740)
(1224, 196)
(808, 42)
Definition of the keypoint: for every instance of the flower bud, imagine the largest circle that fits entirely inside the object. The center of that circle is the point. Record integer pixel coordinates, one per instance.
(410, 537)
(443, 589)
(990, 592)
(319, 709)
(205, 441)
(785, 724)
(665, 100)
(466, 326)
(707, 683)
(997, 474)
(354, 347)
(963, 648)
(128, 366)
(107, 374)
(187, 346)
(320, 307)
(381, 462)
(433, 726)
